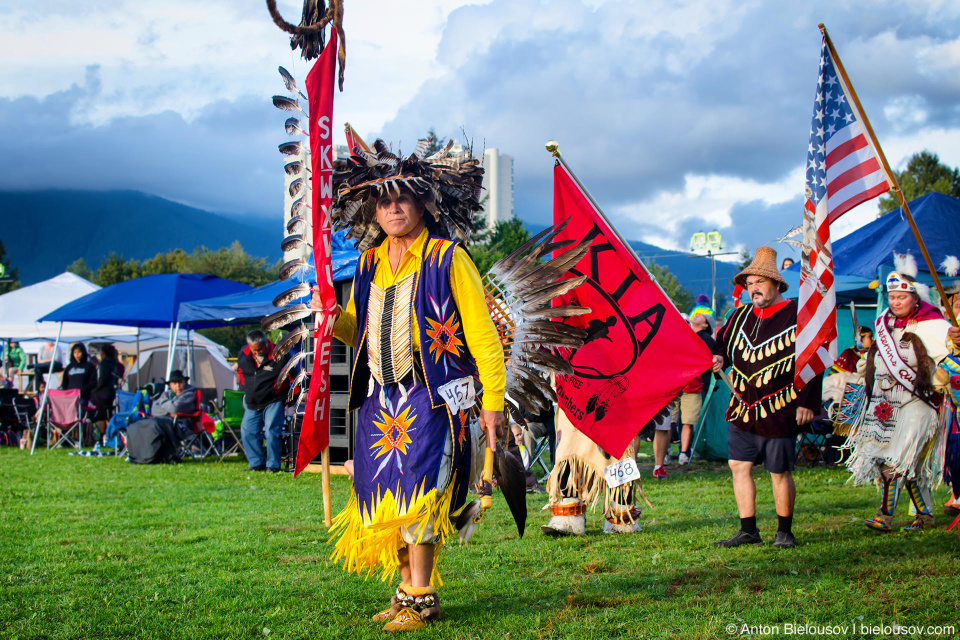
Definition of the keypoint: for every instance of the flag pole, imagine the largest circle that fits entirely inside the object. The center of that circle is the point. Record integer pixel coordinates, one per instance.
(891, 177)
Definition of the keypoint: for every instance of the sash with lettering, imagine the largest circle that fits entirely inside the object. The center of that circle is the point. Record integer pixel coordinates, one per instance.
(639, 352)
(315, 431)
(887, 348)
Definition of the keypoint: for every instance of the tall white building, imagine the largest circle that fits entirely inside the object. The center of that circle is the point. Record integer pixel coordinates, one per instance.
(497, 196)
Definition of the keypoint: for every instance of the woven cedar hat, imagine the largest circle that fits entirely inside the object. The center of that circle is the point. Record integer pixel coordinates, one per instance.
(764, 264)
(447, 183)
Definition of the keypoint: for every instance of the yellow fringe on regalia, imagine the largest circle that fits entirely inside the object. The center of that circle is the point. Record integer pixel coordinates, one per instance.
(370, 542)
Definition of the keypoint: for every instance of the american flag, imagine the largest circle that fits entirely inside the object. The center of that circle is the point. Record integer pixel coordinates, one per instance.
(843, 170)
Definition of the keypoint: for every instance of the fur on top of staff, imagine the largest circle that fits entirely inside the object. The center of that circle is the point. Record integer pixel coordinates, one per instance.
(448, 184)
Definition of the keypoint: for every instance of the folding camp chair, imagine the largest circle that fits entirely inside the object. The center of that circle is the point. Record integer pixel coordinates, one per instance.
(131, 406)
(541, 449)
(812, 443)
(198, 444)
(230, 415)
(64, 421)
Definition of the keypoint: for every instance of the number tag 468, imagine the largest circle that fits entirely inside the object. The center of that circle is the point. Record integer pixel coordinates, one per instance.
(621, 472)
(459, 394)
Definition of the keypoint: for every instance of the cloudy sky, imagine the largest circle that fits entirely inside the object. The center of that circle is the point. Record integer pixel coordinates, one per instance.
(679, 116)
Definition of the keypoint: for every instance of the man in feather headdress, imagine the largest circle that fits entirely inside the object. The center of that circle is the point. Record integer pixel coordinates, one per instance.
(419, 321)
(765, 411)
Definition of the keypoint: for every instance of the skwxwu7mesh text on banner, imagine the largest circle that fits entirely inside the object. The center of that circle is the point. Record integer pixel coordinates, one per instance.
(315, 431)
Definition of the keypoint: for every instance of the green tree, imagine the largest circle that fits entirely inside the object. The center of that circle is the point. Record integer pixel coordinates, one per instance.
(434, 143)
(9, 276)
(924, 174)
(80, 268)
(504, 239)
(681, 297)
(114, 269)
(176, 261)
(231, 264)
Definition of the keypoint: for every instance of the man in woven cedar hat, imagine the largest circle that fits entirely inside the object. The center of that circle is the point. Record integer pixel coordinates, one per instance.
(765, 411)
(419, 321)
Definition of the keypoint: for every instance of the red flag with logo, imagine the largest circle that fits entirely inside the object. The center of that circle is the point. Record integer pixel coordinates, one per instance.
(315, 431)
(639, 352)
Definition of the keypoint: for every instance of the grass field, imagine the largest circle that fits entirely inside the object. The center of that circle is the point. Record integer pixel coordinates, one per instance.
(98, 548)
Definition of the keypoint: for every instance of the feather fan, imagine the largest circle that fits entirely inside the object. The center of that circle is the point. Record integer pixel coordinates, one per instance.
(520, 288)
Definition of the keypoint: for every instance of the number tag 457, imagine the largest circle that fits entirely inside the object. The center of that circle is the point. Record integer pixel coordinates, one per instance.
(621, 472)
(459, 394)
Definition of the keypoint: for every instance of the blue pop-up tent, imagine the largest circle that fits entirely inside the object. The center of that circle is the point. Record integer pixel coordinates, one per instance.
(864, 251)
(249, 306)
(150, 301)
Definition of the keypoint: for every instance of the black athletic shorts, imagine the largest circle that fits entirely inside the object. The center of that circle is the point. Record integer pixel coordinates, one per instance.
(777, 455)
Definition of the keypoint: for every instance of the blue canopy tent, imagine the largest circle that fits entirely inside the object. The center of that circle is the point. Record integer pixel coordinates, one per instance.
(150, 301)
(250, 306)
(866, 255)
(864, 251)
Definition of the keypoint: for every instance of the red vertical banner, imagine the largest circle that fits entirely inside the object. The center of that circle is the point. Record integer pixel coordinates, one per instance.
(315, 431)
(639, 352)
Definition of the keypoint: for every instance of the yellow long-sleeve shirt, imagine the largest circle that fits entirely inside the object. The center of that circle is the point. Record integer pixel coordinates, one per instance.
(482, 338)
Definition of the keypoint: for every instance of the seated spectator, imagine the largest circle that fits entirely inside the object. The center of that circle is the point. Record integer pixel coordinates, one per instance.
(80, 374)
(49, 352)
(179, 398)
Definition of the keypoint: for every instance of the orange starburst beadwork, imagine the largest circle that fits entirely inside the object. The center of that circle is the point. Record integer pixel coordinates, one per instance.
(394, 437)
(443, 338)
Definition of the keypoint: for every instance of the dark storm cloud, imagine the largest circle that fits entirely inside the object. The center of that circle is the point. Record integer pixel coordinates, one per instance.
(226, 159)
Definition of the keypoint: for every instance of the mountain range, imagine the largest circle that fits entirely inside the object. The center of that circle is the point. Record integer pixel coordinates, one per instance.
(45, 231)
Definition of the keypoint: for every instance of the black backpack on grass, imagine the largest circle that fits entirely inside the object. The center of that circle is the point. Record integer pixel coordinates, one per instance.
(153, 441)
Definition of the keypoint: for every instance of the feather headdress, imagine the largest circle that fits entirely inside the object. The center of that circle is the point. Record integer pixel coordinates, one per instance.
(905, 264)
(903, 278)
(447, 184)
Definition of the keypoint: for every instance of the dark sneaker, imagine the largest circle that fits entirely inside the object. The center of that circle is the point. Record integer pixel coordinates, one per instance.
(536, 488)
(784, 540)
(740, 538)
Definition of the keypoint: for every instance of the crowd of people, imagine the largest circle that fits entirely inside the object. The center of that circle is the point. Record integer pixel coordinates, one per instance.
(418, 321)
(415, 463)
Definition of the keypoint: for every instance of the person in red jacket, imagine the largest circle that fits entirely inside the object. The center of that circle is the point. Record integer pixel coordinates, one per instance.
(262, 402)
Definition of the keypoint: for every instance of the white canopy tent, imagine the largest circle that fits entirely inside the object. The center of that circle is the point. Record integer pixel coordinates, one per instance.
(207, 369)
